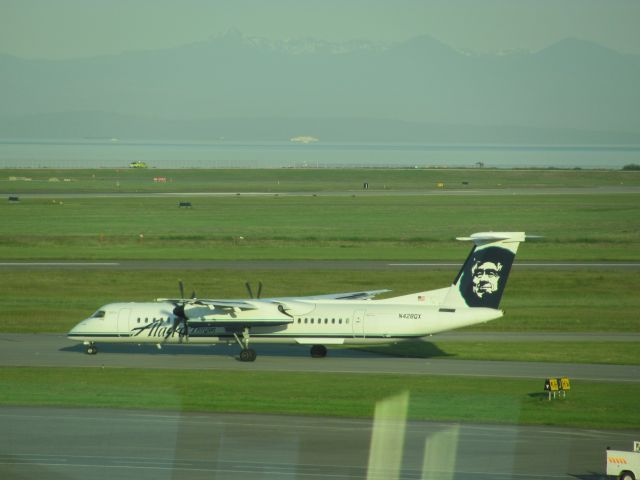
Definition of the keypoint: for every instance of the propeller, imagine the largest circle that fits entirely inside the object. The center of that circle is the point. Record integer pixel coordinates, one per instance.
(180, 315)
(250, 291)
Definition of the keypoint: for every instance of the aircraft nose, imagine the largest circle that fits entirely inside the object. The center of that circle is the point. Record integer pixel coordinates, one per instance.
(79, 327)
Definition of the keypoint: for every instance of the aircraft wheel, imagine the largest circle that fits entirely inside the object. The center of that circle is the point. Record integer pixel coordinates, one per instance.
(318, 351)
(627, 476)
(248, 355)
(92, 350)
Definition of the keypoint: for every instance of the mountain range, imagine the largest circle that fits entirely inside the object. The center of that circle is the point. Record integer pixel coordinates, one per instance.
(247, 88)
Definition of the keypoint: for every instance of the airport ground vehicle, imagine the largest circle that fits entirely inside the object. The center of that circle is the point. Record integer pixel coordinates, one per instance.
(624, 465)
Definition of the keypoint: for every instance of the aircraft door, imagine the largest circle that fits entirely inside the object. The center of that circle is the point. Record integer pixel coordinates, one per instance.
(123, 321)
(358, 324)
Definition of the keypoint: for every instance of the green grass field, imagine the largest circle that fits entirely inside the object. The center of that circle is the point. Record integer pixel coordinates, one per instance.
(575, 227)
(300, 180)
(588, 404)
(617, 353)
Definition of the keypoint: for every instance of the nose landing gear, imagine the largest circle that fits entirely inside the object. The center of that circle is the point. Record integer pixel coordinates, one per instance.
(91, 348)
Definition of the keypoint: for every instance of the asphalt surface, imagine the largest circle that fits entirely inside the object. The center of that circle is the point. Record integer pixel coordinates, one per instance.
(41, 350)
(65, 443)
(603, 190)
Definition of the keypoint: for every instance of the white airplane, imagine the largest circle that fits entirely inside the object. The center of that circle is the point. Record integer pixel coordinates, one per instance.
(352, 318)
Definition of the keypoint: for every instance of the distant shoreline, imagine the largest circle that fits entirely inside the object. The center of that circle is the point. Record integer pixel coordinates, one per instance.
(101, 154)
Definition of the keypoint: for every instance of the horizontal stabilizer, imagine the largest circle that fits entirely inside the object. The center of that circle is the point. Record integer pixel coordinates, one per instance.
(490, 237)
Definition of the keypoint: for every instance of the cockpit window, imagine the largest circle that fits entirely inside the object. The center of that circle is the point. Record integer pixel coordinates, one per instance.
(98, 314)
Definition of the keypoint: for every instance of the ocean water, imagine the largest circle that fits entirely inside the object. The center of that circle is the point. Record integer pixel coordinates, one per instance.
(112, 153)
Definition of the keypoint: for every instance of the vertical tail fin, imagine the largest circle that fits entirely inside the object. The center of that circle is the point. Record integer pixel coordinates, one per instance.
(483, 277)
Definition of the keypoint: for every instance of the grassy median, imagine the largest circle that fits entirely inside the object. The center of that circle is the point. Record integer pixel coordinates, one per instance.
(588, 404)
(575, 227)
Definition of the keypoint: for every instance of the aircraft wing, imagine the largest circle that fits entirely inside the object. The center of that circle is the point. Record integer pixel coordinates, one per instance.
(229, 304)
(220, 304)
(363, 295)
(228, 313)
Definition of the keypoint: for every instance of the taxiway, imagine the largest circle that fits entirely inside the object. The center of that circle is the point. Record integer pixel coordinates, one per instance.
(50, 350)
(57, 443)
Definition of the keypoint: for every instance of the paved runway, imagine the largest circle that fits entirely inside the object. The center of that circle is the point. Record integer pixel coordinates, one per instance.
(602, 190)
(57, 351)
(64, 443)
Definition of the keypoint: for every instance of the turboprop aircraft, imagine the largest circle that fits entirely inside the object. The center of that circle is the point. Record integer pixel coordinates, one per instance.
(336, 319)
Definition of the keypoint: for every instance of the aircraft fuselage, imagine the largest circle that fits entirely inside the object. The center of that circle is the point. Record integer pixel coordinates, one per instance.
(338, 322)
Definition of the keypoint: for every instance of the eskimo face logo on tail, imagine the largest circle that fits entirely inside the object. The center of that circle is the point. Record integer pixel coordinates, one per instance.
(485, 275)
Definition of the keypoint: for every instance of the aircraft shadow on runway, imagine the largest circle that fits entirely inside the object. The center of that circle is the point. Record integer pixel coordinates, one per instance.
(419, 349)
(422, 350)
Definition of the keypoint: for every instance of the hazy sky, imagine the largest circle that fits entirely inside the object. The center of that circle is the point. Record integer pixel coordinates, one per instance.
(72, 28)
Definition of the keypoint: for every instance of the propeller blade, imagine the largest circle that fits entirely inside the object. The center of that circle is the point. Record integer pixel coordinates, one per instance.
(171, 331)
(181, 285)
(179, 312)
(193, 294)
(259, 290)
(249, 289)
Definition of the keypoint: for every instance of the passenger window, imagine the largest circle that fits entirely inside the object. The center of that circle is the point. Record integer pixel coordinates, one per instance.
(305, 320)
(340, 321)
(333, 320)
(326, 320)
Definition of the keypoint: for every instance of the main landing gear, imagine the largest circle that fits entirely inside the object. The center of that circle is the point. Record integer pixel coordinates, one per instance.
(318, 351)
(91, 348)
(246, 354)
